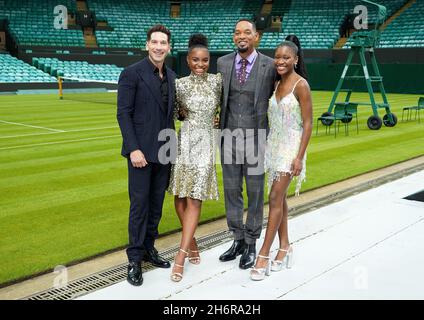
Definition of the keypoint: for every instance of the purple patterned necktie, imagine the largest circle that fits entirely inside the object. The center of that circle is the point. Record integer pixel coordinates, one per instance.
(243, 71)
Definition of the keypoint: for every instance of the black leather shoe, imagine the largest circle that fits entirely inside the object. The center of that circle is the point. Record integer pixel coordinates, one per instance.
(154, 258)
(236, 249)
(135, 275)
(248, 257)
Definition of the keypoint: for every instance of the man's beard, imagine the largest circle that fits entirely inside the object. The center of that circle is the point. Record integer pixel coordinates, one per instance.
(242, 50)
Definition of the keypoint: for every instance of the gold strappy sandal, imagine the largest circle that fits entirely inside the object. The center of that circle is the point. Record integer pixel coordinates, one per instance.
(178, 276)
(196, 258)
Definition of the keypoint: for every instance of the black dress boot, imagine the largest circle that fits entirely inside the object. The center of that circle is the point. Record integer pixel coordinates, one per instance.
(135, 275)
(248, 257)
(154, 258)
(236, 249)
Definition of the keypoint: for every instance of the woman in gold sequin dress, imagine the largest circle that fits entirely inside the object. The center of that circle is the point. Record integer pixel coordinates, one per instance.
(193, 176)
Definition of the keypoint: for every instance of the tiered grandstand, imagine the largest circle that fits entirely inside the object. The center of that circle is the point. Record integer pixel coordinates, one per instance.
(31, 23)
(132, 20)
(316, 23)
(15, 70)
(78, 69)
(120, 32)
(407, 30)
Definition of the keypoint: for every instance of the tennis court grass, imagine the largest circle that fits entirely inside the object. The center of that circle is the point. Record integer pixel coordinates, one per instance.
(63, 186)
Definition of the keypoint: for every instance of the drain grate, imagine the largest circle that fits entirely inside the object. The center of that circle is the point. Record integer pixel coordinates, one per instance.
(74, 289)
(106, 278)
(118, 274)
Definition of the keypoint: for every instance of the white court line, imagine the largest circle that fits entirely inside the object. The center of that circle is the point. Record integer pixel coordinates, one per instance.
(58, 142)
(44, 133)
(28, 125)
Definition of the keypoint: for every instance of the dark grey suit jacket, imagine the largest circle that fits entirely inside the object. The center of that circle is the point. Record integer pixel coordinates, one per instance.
(266, 78)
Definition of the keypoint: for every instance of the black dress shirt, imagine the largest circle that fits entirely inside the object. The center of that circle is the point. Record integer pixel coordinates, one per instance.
(162, 83)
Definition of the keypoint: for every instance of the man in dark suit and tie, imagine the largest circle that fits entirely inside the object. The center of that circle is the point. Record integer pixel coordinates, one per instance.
(248, 81)
(145, 108)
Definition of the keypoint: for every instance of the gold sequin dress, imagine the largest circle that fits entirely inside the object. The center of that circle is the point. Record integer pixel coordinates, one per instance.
(194, 174)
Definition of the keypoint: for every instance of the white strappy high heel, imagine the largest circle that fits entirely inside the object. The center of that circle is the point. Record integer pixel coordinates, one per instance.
(277, 265)
(178, 276)
(258, 274)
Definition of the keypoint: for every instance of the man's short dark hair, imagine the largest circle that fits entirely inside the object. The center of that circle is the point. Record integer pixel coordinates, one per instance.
(247, 20)
(159, 28)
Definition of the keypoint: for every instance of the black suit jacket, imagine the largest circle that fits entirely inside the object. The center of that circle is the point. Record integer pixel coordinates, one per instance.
(141, 114)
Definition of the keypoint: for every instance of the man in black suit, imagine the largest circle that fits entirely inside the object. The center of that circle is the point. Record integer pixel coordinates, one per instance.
(145, 108)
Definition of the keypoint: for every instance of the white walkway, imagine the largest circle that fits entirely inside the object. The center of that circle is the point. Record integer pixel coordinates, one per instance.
(368, 246)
